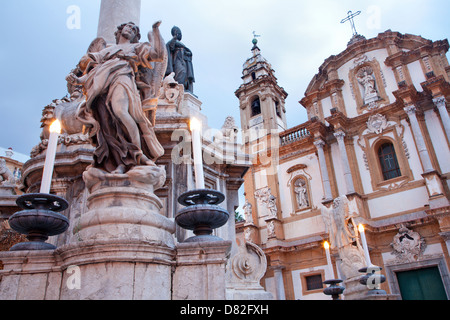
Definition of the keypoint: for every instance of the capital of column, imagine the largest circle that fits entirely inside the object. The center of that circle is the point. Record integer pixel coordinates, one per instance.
(410, 109)
(339, 135)
(439, 101)
(319, 144)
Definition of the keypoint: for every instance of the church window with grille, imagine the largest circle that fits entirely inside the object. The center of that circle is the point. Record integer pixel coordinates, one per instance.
(388, 161)
(314, 282)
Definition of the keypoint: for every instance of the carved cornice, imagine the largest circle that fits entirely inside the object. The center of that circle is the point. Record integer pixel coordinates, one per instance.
(436, 86)
(258, 84)
(408, 95)
(406, 57)
(338, 120)
(325, 90)
(317, 129)
(392, 41)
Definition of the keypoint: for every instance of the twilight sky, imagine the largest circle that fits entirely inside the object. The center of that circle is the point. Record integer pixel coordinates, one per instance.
(39, 49)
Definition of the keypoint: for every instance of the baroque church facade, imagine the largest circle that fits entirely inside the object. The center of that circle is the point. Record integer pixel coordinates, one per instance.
(374, 151)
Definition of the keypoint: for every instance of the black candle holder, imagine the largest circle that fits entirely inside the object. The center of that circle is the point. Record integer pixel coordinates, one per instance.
(202, 214)
(39, 220)
(333, 290)
(372, 279)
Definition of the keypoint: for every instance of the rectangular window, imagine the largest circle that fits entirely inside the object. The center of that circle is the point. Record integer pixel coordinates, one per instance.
(314, 282)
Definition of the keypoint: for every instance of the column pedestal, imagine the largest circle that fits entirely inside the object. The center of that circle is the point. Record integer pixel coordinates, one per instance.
(200, 270)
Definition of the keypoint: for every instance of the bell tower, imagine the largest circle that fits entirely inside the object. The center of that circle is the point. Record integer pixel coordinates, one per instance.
(263, 118)
(262, 100)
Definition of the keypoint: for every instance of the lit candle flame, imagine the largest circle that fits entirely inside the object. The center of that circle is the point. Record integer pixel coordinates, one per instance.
(360, 228)
(326, 245)
(55, 127)
(195, 124)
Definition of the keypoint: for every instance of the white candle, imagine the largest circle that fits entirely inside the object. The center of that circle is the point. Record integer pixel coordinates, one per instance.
(55, 130)
(326, 245)
(196, 128)
(364, 244)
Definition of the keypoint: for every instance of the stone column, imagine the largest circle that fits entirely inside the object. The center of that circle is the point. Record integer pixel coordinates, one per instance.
(420, 142)
(323, 169)
(441, 105)
(346, 166)
(446, 236)
(279, 284)
(115, 12)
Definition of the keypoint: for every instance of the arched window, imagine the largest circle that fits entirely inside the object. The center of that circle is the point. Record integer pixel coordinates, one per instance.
(256, 107)
(388, 161)
(278, 108)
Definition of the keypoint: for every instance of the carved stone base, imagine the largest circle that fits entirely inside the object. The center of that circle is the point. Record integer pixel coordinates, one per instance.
(123, 206)
(354, 290)
(200, 270)
(89, 270)
(245, 272)
(116, 270)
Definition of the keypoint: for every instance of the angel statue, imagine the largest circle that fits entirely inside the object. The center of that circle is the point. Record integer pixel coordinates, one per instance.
(341, 227)
(121, 84)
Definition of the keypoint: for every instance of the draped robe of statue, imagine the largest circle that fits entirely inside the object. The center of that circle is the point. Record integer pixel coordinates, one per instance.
(110, 78)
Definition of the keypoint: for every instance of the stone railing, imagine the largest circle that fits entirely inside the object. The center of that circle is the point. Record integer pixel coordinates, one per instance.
(294, 134)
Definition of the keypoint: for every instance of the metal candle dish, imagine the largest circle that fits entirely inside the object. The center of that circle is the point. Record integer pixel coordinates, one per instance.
(39, 220)
(202, 214)
(372, 279)
(333, 290)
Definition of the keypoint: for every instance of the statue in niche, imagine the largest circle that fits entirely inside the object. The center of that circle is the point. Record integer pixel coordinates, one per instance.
(272, 206)
(117, 85)
(366, 78)
(180, 61)
(301, 192)
(248, 211)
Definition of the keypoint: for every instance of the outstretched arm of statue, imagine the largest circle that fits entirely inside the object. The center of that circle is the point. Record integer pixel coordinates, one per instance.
(157, 46)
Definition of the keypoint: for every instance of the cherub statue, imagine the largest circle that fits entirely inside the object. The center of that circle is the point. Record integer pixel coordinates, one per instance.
(120, 83)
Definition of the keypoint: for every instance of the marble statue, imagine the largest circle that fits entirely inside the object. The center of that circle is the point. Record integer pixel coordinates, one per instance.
(340, 225)
(367, 80)
(301, 194)
(118, 90)
(6, 174)
(180, 61)
(248, 211)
